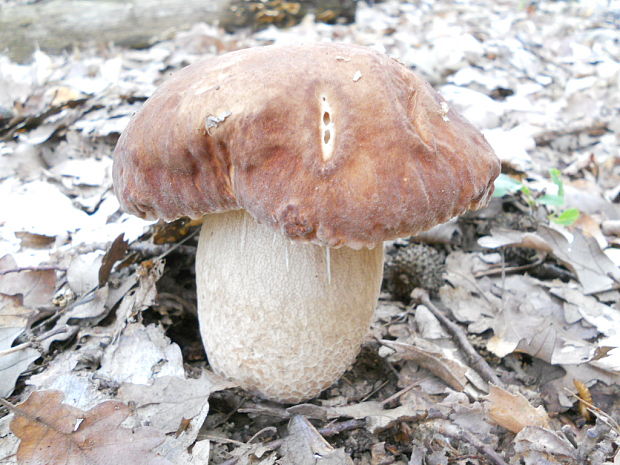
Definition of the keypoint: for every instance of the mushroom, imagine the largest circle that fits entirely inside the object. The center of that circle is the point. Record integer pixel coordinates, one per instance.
(302, 161)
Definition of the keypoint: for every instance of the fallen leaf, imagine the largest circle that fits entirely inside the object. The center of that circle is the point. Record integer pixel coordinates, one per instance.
(170, 399)
(513, 411)
(134, 299)
(533, 439)
(470, 416)
(200, 452)
(532, 321)
(116, 252)
(63, 374)
(8, 442)
(305, 446)
(91, 308)
(254, 454)
(14, 318)
(82, 272)
(595, 271)
(53, 433)
(450, 371)
(611, 227)
(377, 417)
(378, 454)
(36, 286)
(468, 299)
(140, 355)
(88, 172)
(12, 365)
(603, 317)
(35, 241)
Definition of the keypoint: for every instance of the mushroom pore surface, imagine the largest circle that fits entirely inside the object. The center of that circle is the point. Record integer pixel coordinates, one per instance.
(274, 315)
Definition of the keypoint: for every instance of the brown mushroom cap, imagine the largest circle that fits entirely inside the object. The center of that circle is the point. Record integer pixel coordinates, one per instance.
(330, 143)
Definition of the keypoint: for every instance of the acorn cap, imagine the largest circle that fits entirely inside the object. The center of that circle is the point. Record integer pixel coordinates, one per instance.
(330, 143)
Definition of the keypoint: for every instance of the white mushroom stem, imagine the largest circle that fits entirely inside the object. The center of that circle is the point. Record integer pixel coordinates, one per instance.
(285, 332)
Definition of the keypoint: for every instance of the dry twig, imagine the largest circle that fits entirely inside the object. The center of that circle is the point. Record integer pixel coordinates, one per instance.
(446, 428)
(478, 363)
(329, 430)
(33, 268)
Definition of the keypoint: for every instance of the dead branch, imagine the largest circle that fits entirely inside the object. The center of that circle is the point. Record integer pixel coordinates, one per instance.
(545, 138)
(479, 364)
(32, 268)
(329, 430)
(446, 428)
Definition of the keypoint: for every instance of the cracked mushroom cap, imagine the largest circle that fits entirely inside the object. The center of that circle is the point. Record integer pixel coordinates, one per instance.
(330, 143)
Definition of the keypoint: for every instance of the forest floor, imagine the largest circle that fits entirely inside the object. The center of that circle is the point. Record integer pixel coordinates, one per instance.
(510, 356)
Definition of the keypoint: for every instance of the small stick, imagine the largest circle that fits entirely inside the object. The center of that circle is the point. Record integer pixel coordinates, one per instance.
(341, 427)
(32, 268)
(446, 428)
(33, 342)
(374, 391)
(479, 363)
(177, 245)
(266, 429)
(330, 430)
(604, 416)
(399, 393)
(508, 269)
(17, 348)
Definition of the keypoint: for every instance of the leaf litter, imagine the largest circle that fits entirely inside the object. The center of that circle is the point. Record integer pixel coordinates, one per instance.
(110, 320)
(52, 432)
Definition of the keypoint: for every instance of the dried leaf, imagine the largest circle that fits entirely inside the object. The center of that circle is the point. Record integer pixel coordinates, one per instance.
(14, 318)
(377, 417)
(532, 321)
(171, 399)
(450, 371)
(603, 317)
(116, 252)
(595, 271)
(91, 308)
(82, 272)
(12, 365)
(53, 433)
(35, 241)
(36, 287)
(200, 452)
(467, 298)
(140, 355)
(532, 439)
(305, 446)
(513, 411)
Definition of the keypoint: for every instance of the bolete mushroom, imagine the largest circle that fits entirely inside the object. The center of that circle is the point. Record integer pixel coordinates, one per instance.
(302, 160)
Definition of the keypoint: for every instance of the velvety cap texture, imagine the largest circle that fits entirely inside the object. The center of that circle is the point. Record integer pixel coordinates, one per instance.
(330, 143)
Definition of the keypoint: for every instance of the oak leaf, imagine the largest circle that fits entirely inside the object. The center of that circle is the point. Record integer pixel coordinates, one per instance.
(54, 433)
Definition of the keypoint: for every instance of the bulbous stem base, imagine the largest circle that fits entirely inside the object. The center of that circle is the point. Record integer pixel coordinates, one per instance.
(281, 319)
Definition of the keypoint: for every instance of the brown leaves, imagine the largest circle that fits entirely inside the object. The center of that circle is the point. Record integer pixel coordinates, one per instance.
(36, 286)
(582, 255)
(450, 371)
(513, 411)
(115, 253)
(53, 433)
(15, 318)
(306, 446)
